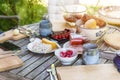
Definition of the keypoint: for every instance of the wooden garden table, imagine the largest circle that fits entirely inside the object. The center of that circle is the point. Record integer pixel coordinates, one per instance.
(35, 65)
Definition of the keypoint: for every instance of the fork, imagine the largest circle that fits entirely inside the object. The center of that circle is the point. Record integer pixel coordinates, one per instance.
(50, 72)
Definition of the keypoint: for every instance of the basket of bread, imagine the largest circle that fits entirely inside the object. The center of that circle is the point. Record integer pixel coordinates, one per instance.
(91, 26)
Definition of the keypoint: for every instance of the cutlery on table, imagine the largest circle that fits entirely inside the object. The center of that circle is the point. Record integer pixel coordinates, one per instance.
(108, 51)
(54, 71)
(50, 72)
(2, 34)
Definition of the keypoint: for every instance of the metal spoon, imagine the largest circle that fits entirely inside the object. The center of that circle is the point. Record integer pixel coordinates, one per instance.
(50, 72)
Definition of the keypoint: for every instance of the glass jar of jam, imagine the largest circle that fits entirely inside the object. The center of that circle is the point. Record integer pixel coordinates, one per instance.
(76, 39)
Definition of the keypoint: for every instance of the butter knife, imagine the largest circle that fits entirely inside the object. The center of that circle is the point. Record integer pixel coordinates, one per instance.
(54, 71)
(50, 72)
(2, 34)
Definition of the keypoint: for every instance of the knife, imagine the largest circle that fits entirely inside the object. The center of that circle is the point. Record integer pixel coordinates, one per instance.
(2, 34)
(54, 71)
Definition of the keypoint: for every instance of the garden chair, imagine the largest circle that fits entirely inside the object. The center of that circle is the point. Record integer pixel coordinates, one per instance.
(10, 17)
(16, 17)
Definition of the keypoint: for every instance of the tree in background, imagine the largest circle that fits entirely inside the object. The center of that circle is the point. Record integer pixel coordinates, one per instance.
(30, 11)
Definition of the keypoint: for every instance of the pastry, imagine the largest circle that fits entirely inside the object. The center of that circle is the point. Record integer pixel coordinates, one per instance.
(113, 39)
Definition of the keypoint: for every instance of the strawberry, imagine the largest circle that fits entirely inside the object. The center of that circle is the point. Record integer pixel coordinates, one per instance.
(68, 56)
(69, 52)
(63, 54)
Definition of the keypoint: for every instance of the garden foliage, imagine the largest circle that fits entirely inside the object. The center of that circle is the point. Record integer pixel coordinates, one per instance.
(29, 11)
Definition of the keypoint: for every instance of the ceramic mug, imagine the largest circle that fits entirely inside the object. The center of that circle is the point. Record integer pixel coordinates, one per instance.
(90, 53)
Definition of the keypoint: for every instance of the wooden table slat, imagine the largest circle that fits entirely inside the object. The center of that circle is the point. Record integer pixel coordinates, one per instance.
(27, 63)
(45, 74)
(109, 61)
(79, 61)
(29, 69)
(26, 57)
(102, 61)
(41, 68)
(19, 41)
(47, 78)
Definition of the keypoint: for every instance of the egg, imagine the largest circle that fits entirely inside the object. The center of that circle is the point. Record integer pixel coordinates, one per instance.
(16, 32)
(91, 24)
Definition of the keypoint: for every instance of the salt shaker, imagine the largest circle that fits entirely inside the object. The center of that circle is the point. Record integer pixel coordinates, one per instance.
(90, 54)
(45, 28)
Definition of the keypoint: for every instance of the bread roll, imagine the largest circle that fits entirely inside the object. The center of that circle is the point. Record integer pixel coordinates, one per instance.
(100, 22)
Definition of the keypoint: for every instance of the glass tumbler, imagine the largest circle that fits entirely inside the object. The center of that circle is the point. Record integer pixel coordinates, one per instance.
(90, 54)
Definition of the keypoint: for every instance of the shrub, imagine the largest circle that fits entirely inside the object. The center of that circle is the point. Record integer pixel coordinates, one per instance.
(30, 11)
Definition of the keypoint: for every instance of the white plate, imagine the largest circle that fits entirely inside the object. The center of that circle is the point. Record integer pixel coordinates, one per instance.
(67, 44)
(30, 48)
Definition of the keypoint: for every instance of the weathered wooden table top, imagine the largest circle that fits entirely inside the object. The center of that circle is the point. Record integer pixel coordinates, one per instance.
(35, 65)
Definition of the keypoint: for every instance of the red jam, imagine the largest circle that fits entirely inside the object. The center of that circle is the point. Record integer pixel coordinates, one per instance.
(76, 41)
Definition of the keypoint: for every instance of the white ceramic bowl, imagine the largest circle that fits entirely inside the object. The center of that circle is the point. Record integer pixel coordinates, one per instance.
(66, 60)
(93, 34)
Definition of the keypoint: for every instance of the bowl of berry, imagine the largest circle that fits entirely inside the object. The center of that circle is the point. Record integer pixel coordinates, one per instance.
(66, 55)
(62, 36)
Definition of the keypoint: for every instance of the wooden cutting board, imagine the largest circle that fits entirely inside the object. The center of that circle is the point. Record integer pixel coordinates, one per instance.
(58, 26)
(88, 72)
(9, 35)
(9, 61)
